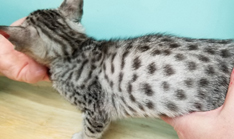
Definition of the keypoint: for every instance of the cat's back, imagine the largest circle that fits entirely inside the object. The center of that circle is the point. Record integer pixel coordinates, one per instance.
(169, 74)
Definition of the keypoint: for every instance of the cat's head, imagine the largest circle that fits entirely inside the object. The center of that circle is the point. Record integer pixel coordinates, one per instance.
(47, 34)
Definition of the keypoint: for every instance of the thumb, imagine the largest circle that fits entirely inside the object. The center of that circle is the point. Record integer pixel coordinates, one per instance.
(229, 102)
(32, 72)
(191, 126)
(180, 124)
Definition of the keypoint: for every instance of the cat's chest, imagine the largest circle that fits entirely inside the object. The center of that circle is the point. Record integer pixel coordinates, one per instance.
(63, 76)
(77, 83)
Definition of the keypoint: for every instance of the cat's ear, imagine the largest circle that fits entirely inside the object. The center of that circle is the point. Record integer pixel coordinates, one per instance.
(20, 36)
(72, 9)
(16, 35)
(26, 40)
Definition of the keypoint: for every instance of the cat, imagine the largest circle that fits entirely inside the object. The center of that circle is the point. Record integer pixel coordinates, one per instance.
(147, 76)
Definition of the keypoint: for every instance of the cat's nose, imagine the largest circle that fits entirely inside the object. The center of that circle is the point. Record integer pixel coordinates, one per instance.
(3, 30)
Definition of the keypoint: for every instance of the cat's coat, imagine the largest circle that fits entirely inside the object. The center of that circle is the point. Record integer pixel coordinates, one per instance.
(145, 76)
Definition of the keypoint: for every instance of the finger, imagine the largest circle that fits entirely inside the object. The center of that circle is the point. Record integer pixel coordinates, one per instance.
(32, 72)
(229, 102)
(18, 22)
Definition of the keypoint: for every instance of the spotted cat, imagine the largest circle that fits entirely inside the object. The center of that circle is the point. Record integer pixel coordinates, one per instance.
(145, 76)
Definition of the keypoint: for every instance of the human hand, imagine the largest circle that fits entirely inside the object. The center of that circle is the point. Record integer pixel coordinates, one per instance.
(216, 124)
(17, 66)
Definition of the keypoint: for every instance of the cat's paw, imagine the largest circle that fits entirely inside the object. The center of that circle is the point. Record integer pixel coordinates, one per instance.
(77, 136)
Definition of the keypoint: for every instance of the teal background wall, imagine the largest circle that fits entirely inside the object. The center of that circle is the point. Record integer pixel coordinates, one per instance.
(104, 19)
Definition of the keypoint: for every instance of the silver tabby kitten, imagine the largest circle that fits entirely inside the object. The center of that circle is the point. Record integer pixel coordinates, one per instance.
(146, 76)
